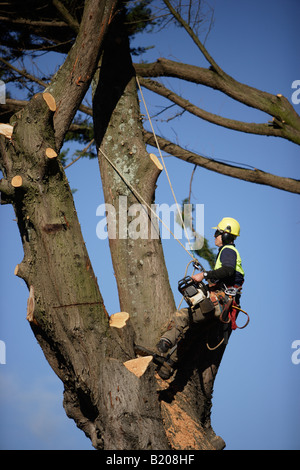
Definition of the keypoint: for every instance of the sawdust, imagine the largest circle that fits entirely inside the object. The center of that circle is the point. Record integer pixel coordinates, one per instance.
(183, 432)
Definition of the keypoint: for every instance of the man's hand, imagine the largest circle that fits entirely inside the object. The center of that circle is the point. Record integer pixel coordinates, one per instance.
(198, 277)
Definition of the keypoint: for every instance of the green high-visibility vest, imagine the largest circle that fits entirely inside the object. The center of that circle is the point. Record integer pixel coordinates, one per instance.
(238, 266)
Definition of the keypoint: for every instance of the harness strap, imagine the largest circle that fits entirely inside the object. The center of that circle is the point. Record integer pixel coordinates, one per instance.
(233, 314)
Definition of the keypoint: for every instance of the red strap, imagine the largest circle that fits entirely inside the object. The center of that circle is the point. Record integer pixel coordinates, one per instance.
(232, 315)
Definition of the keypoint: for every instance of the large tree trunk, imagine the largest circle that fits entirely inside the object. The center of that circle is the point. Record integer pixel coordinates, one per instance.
(139, 266)
(128, 174)
(115, 398)
(115, 409)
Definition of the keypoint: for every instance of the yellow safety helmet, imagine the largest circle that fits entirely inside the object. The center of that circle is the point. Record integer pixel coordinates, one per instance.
(229, 225)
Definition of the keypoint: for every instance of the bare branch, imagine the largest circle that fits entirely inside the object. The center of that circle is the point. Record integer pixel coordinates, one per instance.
(253, 176)
(23, 73)
(70, 20)
(194, 37)
(40, 23)
(253, 128)
(80, 155)
(276, 106)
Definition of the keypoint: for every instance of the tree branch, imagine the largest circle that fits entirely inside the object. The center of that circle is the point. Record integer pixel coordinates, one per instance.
(40, 23)
(13, 106)
(253, 128)
(276, 106)
(6, 188)
(23, 73)
(253, 176)
(195, 38)
(71, 82)
(70, 20)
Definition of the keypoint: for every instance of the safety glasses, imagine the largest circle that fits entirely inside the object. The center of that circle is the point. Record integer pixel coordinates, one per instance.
(217, 233)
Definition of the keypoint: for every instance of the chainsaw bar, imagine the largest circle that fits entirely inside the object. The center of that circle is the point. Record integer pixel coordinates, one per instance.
(142, 351)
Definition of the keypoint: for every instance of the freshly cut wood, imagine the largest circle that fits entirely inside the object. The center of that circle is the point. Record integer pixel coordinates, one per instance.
(17, 181)
(50, 100)
(118, 320)
(183, 431)
(139, 365)
(50, 153)
(6, 130)
(156, 161)
(30, 305)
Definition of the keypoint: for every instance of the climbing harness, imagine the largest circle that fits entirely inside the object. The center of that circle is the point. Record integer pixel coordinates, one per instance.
(230, 310)
(232, 307)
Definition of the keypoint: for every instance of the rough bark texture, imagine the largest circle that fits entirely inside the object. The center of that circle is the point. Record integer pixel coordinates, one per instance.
(65, 307)
(286, 121)
(185, 401)
(140, 271)
(254, 176)
(66, 311)
(116, 409)
(114, 397)
(72, 81)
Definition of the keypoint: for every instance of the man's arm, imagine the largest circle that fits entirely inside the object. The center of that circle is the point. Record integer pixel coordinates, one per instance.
(228, 261)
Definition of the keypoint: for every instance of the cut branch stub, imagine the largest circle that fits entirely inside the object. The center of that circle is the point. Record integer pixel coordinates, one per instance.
(139, 365)
(17, 181)
(21, 271)
(123, 330)
(6, 130)
(156, 161)
(118, 320)
(50, 100)
(31, 306)
(50, 153)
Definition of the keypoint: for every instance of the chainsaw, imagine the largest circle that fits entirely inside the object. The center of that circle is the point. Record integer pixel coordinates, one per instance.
(193, 292)
(165, 364)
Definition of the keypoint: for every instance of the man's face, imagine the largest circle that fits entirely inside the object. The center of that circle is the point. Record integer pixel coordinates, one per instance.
(218, 241)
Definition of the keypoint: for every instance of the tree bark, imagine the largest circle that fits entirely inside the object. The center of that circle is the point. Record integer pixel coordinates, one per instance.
(115, 397)
(286, 123)
(116, 409)
(65, 307)
(71, 82)
(143, 286)
(139, 266)
(252, 175)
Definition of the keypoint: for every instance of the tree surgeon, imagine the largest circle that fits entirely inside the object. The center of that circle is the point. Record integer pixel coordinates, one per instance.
(219, 299)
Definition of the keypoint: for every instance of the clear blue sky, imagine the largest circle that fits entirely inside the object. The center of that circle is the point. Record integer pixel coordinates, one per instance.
(256, 396)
